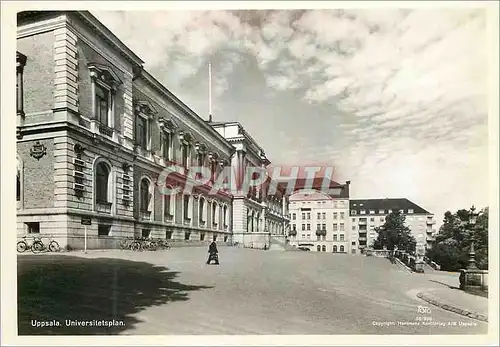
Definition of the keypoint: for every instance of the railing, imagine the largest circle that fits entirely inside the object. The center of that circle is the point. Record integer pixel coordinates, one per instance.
(84, 123)
(145, 214)
(105, 130)
(103, 206)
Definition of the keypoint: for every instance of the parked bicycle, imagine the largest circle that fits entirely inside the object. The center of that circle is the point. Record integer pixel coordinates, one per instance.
(127, 243)
(163, 244)
(37, 245)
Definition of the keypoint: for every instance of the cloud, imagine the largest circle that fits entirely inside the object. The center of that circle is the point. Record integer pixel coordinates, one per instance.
(405, 89)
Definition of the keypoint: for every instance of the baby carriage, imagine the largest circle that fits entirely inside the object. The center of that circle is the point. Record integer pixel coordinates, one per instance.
(213, 257)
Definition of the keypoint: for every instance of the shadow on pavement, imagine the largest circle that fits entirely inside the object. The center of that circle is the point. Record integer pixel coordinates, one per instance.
(67, 287)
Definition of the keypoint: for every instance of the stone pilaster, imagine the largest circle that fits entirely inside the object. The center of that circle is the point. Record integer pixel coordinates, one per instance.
(66, 75)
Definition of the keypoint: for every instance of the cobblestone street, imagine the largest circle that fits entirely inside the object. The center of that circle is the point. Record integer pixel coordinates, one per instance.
(251, 292)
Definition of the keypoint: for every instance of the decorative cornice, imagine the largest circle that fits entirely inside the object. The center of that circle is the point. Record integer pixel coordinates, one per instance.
(105, 74)
(20, 60)
(185, 110)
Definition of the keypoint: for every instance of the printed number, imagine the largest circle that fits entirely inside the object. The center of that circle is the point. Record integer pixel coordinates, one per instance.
(423, 309)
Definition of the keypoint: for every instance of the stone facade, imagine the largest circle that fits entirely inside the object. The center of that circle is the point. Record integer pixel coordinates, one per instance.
(66, 137)
(100, 138)
(260, 216)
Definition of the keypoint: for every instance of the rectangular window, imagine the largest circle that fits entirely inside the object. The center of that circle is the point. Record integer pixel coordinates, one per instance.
(103, 230)
(353, 243)
(362, 212)
(185, 154)
(142, 132)
(341, 226)
(308, 215)
(381, 211)
(342, 215)
(303, 227)
(319, 215)
(308, 236)
(324, 215)
(353, 227)
(168, 235)
(341, 237)
(303, 215)
(294, 216)
(372, 212)
(166, 206)
(146, 233)
(308, 226)
(334, 237)
(166, 143)
(33, 227)
(187, 235)
(323, 226)
(372, 219)
(102, 104)
(303, 236)
(186, 207)
(335, 227)
(318, 226)
(294, 227)
(410, 210)
(202, 236)
(335, 215)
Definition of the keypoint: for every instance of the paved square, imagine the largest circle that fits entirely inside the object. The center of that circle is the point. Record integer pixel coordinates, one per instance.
(250, 292)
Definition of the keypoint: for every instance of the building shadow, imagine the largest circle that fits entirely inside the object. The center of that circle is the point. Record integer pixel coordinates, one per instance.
(59, 288)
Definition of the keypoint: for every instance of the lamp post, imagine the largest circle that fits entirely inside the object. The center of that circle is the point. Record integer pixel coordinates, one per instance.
(472, 253)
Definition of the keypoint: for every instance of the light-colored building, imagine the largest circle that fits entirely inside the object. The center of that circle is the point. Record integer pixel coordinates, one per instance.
(368, 214)
(259, 215)
(320, 222)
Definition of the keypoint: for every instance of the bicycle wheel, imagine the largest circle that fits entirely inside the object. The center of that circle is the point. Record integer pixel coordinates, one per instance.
(22, 246)
(53, 246)
(136, 246)
(37, 247)
(153, 246)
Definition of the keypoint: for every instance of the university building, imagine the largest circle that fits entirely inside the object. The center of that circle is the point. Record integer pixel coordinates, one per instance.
(98, 137)
(320, 221)
(260, 216)
(368, 214)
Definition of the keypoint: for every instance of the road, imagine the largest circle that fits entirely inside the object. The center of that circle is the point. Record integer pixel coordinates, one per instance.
(250, 292)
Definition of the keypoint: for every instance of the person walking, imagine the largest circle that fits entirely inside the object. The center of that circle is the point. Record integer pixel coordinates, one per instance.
(213, 253)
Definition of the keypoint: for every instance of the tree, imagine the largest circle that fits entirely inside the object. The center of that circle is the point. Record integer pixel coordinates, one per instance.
(452, 246)
(395, 234)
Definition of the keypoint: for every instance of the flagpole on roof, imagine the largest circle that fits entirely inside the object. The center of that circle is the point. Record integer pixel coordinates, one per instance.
(209, 91)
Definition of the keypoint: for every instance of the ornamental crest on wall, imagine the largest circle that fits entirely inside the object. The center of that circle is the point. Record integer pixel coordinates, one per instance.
(38, 150)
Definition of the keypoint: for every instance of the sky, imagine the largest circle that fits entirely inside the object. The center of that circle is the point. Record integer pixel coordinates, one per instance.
(394, 99)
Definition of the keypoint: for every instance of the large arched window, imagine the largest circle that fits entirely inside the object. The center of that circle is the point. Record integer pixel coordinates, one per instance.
(335, 249)
(215, 214)
(202, 211)
(225, 216)
(18, 182)
(323, 248)
(318, 248)
(144, 196)
(341, 249)
(169, 204)
(102, 182)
